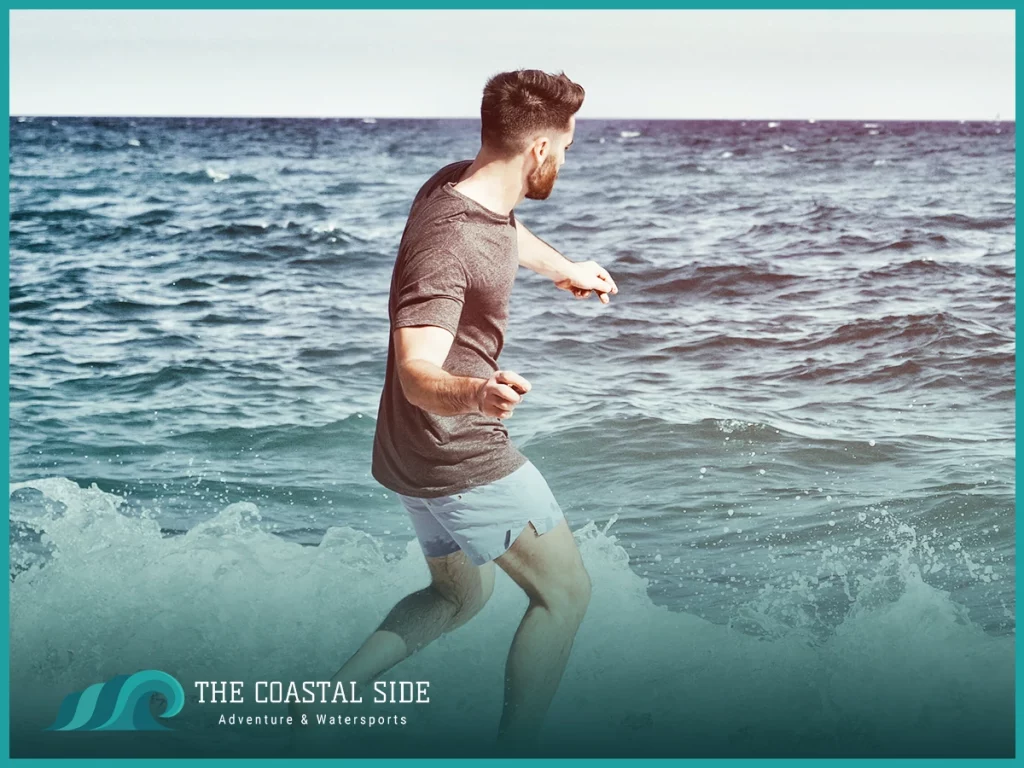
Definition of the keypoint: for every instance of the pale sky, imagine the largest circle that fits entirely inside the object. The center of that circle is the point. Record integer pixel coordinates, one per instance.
(685, 64)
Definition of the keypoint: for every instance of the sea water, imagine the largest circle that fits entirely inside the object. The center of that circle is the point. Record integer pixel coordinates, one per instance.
(786, 446)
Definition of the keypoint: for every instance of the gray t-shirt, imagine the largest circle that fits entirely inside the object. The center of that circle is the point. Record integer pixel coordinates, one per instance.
(456, 264)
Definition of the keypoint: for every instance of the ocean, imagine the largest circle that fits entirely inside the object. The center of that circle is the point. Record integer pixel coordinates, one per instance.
(786, 446)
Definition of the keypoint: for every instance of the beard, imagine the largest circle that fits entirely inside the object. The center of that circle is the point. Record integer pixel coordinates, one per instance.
(541, 180)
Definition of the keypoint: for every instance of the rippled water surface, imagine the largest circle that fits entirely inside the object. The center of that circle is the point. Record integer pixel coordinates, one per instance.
(799, 409)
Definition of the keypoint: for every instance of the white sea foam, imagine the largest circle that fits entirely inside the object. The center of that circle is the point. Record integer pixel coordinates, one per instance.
(229, 600)
(629, 134)
(217, 175)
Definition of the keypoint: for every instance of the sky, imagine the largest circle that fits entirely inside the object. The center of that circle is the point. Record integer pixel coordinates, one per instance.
(681, 64)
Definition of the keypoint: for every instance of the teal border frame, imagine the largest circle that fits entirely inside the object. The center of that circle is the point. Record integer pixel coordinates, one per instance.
(555, 5)
(457, 5)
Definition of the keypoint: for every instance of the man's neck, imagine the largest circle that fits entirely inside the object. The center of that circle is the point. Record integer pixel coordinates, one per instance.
(494, 183)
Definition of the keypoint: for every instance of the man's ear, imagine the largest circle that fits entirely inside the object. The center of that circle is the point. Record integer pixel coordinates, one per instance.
(541, 149)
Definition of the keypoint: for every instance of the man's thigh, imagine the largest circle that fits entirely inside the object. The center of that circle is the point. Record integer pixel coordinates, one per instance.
(458, 579)
(488, 519)
(452, 572)
(435, 540)
(539, 561)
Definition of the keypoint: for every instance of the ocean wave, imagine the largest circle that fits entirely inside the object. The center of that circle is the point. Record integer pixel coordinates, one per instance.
(122, 307)
(310, 207)
(169, 377)
(283, 436)
(153, 216)
(238, 229)
(915, 269)
(345, 188)
(31, 305)
(898, 663)
(59, 215)
(189, 284)
(963, 221)
(716, 280)
(822, 212)
(910, 241)
(213, 176)
(942, 329)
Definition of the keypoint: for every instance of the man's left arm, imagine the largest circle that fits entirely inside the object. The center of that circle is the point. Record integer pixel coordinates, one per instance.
(579, 278)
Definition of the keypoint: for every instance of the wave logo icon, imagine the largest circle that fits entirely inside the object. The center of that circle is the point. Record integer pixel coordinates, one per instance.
(120, 704)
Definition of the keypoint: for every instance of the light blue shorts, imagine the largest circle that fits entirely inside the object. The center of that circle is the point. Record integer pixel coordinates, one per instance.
(485, 520)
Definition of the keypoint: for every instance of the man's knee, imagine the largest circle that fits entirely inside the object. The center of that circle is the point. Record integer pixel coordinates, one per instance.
(466, 600)
(566, 597)
(471, 604)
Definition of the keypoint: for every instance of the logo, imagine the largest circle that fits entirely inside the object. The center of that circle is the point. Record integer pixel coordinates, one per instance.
(120, 704)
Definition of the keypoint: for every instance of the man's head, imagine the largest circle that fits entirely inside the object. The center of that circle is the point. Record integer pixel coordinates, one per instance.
(531, 115)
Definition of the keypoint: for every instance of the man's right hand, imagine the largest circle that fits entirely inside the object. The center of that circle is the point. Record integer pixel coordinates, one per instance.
(501, 393)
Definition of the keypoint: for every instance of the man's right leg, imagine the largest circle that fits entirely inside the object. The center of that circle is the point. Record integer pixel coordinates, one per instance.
(550, 570)
(457, 591)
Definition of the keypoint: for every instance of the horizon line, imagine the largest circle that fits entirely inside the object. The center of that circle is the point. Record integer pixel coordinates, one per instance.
(997, 119)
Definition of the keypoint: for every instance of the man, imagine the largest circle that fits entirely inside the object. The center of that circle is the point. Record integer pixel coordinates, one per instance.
(440, 441)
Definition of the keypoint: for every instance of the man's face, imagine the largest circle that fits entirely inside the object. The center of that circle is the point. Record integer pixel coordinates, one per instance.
(541, 180)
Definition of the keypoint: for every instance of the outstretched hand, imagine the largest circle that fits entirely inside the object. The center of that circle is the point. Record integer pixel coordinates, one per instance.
(588, 277)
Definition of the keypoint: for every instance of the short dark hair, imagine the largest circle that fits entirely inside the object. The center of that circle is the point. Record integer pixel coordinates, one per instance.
(519, 104)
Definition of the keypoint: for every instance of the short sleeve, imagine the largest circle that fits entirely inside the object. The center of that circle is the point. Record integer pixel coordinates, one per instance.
(432, 291)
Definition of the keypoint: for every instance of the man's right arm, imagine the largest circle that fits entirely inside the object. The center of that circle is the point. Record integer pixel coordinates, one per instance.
(420, 352)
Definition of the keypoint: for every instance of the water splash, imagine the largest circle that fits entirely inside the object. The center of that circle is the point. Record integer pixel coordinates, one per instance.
(230, 600)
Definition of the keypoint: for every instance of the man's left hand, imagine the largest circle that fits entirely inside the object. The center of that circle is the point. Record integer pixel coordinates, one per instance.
(588, 277)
